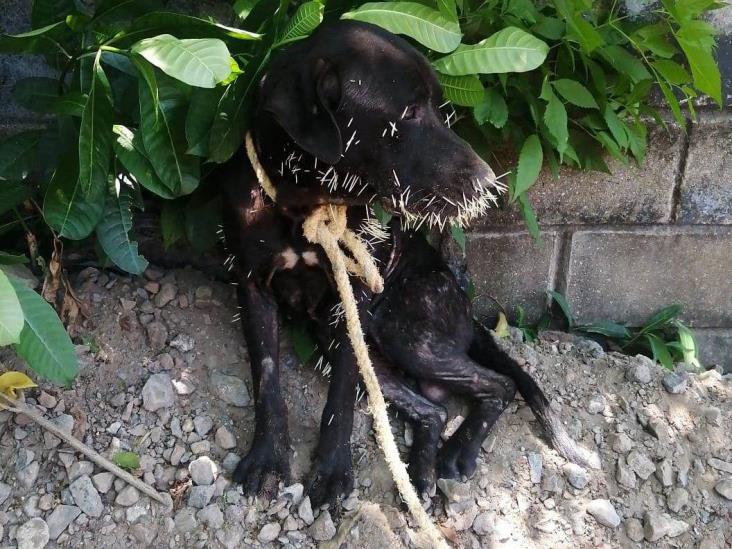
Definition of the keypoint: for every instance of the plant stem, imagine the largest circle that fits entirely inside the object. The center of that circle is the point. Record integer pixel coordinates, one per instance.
(21, 408)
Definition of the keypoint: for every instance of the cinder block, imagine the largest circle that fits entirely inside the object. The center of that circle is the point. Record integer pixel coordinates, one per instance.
(630, 194)
(715, 347)
(627, 275)
(510, 268)
(706, 188)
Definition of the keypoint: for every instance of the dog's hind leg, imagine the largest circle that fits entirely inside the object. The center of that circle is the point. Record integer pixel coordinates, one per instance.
(485, 350)
(426, 417)
(267, 460)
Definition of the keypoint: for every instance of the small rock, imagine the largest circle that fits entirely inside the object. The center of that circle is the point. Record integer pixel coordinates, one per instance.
(5, 491)
(157, 335)
(200, 496)
(665, 473)
(305, 511)
(232, 390)
(641, 371)
(27, 476)
(641, 464)
(535, 467)
(33, 534)
(45, 502)
(621, 443)
(576, 475)
(211, 515)
(46, 400)
(625, 475)
(713, 415)
(80, 468)
(183, 386)
(177, 454)
(86, 496)
(202, 424)
(659, 429)
(114, 428)
(675, 383)
(128, 496)
(323, 528)
(203, 471)
(454, 490)
(483, 523)
(231, 460)
(634, 529)
(203, 295)
(596, 405)
(224, 438)
(677, 499)
(720, 465)
(185, 520)
(658, 525)
(158, 393)
(724, 488)
(552, 483)
(502, 529)
(295, 491)
(201, 447)
(103, 481)
(269, 532)
(60, 518)
(184, 343)
(604, 513)
(167, 293)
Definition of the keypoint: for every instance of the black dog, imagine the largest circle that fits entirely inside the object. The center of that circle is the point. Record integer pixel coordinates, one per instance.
(351, 115)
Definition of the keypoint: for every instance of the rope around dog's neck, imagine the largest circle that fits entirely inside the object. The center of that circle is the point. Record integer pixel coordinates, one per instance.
(326, 226)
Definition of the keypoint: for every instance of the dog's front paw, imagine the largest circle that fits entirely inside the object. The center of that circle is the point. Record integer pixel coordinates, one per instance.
(261, 469)
(332, 478)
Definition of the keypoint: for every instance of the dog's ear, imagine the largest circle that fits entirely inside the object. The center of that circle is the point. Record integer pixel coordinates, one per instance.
(303, 104)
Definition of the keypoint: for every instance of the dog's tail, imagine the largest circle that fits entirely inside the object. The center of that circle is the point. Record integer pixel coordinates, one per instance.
(487, 352)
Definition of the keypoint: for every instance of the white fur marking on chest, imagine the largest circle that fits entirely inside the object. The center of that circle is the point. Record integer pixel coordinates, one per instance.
(310, 258)
(289, 258)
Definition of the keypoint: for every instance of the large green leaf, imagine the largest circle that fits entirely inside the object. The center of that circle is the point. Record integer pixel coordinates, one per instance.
(492, 109)
(201, 62)
(113, 233)
(462, 90)
(163, 134)
(555, 117)
(529, 165)
(660, 351)
(704, 68)
(95, 133)
(508, 50)
(11, 315)
(181, 26)
(41, 40)
(39, 94)
(243, 8)
(200, 117)
(13, 193)
(625, 63)
(70, 212)
(131, 153)
(306, 19)
(44, 343)
(17, 153)
(422, 23)
(575, 93)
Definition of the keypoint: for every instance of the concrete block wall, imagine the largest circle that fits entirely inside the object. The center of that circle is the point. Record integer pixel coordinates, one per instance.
(619, 246)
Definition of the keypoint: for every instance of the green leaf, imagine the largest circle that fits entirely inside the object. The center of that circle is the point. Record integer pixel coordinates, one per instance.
(243, 8)
(448, 9)
(704, 68)
(303, 343)
(69, 211)
(200, 117)
(71, 104)
(172, 222)
(616, 126)
(555, 118)
(458, 235)
(306, 19)
(129, 461)
(529, 165)
(181, 26)
(501, 328)
(422, 23)
(672, 71)
(661, 318)
(44, 343)
(11, 314)
(530, 218)
(508, 50)
(163, 135)
(10, 259)
(17, 153)
(688, 345)
(493, 109)
(131, 153)
(381, 214)
(95, 134)
(549, 27)
(608, 329)
(46, 12)
(575, 93)
(580, 29)
(625, 63)
(466, 91)
(42, 40)
(656, 38)
(114, 11)
(38, 94)
(563, 305)
(660, 351)
(113, 233)
(13, 193)
(672, 102)
(200, 62)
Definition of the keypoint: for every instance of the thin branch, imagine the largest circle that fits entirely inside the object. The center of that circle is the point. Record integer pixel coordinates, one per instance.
(20, 408)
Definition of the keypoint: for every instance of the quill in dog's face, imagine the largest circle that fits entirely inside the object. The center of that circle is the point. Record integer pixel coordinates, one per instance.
(366, 105)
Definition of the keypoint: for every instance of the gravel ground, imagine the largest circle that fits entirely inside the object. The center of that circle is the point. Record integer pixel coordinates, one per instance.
(164, 374)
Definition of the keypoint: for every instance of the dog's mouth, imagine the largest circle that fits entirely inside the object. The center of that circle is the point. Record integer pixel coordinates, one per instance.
(437, 208)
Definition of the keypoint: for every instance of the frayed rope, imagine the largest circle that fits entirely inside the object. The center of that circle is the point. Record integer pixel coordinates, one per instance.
(326, 226)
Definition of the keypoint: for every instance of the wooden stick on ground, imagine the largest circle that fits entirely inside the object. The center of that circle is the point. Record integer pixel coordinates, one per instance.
(21, 408)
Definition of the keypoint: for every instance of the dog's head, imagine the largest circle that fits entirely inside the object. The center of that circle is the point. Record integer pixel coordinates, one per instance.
(365, 106)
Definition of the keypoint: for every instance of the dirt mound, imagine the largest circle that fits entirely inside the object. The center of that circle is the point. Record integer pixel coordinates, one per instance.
(165, 375)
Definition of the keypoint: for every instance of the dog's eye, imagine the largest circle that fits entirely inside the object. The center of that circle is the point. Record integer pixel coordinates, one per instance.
(411, 112)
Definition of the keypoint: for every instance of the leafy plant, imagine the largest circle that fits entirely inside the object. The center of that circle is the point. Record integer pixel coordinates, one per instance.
(128, 461)
(147, 100)
(663, 336)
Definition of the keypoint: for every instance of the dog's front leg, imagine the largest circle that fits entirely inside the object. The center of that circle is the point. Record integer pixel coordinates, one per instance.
(267, 460)
(333, 467)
